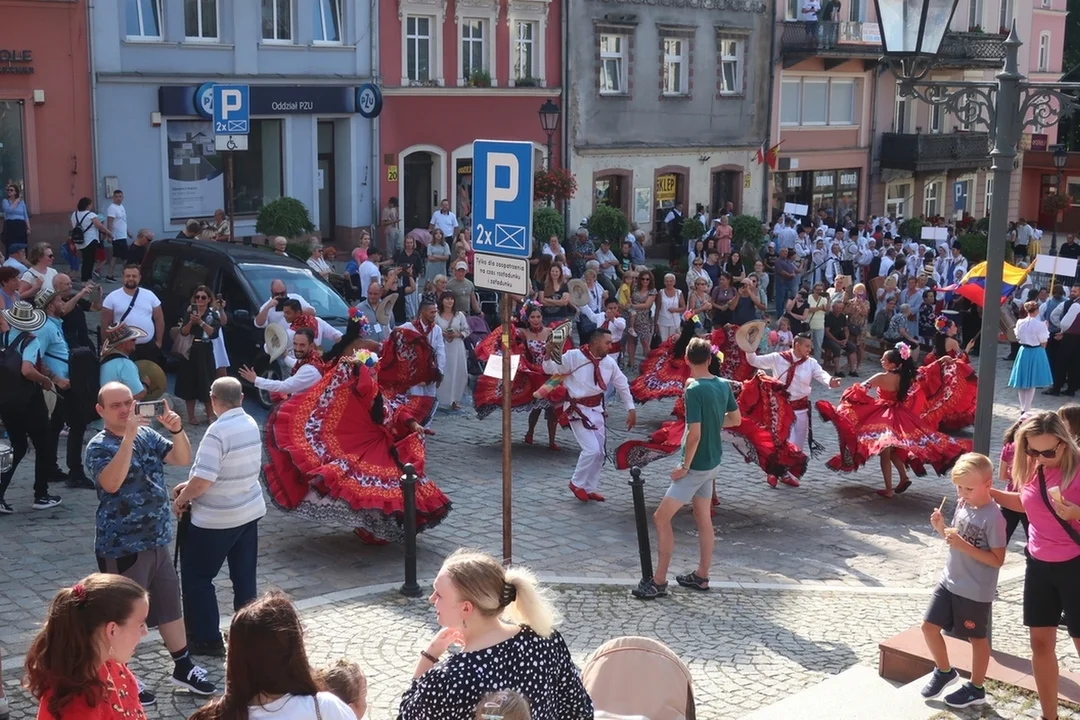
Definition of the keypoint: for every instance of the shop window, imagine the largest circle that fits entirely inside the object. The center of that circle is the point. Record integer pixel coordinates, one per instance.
(418, 48)
(612, 64)
(196, 170)
(277, 20)
(200, 19)
(676, 64)
(525, 55)
(327, 21)
(12, 167)
(472, 57)
(143, 19)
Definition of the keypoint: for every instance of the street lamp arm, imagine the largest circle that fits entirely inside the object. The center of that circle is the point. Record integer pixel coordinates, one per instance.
(1042, 105)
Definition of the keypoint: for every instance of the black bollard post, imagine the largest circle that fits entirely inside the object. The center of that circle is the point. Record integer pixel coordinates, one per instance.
(408, 490)
(637, 486)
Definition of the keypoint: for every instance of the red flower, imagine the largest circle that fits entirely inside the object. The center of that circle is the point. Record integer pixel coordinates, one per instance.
(555, 185)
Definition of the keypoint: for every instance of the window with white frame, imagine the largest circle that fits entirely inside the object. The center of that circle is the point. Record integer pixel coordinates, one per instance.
(901, 113)
(989, 195)
(676, 65)
(525, 56)
(143, 19)
(327, 21)
(1044, 51)
(731, 52)
(811, 101)
(472, 49)
(200, 20)
(1005, 15)
(896, 199)
(277, 20)
(1047, 3)
(937, 113)
(613, 59)
(932, 199)
(418, 50)
(975, 14)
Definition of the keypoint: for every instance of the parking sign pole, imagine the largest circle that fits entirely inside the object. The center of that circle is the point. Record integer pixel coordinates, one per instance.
(229, 191)
(507, 430)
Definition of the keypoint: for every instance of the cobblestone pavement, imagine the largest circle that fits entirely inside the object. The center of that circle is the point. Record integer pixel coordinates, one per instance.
(745, 649)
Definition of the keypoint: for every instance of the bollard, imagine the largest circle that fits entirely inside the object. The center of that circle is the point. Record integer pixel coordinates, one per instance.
(637, 486)
(408, 490)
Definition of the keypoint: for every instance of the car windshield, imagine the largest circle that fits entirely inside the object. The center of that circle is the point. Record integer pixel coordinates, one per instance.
(327, 303)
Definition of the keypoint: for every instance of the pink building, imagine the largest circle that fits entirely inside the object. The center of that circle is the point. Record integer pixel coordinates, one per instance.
(454, 71)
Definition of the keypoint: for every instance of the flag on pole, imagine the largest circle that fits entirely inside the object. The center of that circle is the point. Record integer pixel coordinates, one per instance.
(973, 285)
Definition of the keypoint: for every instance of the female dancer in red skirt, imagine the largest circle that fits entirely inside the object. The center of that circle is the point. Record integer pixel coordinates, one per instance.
(337, 451)
(948, 380)
(889, 425)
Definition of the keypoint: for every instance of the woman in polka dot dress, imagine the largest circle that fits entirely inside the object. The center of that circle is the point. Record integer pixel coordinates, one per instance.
(507, 629)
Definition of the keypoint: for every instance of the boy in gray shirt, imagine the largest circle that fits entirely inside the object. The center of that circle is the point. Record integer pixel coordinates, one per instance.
(961, 604)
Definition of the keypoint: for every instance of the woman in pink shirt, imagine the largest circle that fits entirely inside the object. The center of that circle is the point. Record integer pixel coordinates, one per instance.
(1044, 474)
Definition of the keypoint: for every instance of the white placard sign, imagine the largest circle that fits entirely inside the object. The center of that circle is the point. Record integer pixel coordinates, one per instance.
(493, 368)
(501, 273)
(795, 209)
(230, 142)
(935, 233)
(1055, 265)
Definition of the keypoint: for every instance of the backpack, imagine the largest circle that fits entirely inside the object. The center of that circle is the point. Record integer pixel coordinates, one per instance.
(18, 391)
(78, 233)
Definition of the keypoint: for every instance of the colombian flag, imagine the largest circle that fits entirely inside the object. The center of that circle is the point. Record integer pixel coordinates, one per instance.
(973, 285)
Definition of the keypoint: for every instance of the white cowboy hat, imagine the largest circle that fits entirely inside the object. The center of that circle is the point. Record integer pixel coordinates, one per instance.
(277, 341)
(384, 312)
(748, 336)
(579, 292)
(24, 316)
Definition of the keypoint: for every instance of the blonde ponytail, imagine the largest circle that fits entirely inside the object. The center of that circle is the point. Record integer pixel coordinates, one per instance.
(532, 605)
(495, 591)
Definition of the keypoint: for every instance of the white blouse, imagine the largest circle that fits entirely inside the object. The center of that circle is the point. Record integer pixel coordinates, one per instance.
(1032, 331)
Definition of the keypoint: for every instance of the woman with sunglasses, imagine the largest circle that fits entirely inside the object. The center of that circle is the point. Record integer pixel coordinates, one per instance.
(195, 375)
(40, 275)
(1044, 470)
(16, 217)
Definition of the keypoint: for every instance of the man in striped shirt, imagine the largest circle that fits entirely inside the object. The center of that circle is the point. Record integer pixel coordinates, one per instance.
(225, 501)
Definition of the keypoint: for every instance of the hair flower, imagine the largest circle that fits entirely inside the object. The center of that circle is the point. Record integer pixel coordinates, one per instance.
(718, 353)
(365, 357)
(904, 350)
(941, 323)
(78, 592)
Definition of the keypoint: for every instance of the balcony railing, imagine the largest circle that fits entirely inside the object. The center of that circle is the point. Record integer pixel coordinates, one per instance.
(920, 152)
(799, 40)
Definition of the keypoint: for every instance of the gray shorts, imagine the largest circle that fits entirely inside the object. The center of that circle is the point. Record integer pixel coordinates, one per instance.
(696, 483)
(961, 616)
(154, 571)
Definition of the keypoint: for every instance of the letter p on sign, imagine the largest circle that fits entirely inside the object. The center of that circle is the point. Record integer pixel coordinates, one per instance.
(495, 191)
(231, 101)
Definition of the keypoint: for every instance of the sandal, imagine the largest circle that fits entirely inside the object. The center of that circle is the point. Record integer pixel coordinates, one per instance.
(693, 581)
(529, 438)
(904, 485)
(649, 590)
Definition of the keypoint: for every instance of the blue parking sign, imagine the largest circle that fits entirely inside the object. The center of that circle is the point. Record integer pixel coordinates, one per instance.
(232, 110)
(502, 197)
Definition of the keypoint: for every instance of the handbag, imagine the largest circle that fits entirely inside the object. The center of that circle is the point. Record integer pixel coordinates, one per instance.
(1069, 529)
(181, 343)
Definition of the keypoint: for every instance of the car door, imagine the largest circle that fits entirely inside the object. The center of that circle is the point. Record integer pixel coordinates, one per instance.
(157, 274)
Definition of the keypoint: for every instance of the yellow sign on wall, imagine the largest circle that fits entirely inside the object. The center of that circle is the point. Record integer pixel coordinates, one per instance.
(746, 181)
(391, 173)
(665, 188)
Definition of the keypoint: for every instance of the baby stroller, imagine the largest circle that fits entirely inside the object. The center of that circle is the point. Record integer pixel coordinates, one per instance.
(639, 678)
(478, 330)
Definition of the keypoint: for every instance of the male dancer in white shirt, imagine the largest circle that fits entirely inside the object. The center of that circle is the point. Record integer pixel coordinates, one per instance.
(589, 371)
(425, 325)
(305, 365)
(796, 369)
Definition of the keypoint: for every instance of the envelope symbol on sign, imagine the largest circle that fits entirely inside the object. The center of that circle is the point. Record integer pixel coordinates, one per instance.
(237, 125)
(510, 236)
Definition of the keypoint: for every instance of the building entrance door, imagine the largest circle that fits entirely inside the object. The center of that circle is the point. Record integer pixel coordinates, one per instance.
(325, 181)
(725, 190)
(12, 167)
(419, 202)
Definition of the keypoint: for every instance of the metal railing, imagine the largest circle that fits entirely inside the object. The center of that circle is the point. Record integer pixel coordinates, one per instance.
(926, 152)
(863, 39)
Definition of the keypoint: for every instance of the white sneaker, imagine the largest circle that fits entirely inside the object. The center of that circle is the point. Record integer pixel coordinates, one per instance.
(4, 710)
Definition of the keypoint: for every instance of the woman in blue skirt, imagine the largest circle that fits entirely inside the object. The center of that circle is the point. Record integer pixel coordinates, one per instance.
(1031, 369)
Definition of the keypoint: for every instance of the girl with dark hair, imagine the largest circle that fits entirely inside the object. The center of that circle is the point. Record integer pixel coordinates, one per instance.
(889, 425)
(948, 380)
(86, 232)
(76, 665)
(268, 676)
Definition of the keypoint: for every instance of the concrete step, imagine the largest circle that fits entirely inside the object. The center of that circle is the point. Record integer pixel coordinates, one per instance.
(857, 693)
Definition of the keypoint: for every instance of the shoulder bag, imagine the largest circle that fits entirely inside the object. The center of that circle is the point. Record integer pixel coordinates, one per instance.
(1069, 529)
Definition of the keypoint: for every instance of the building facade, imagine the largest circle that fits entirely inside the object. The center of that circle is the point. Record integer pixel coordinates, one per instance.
(153, 64)
(45, 145)
(455, 71)
(666, 105)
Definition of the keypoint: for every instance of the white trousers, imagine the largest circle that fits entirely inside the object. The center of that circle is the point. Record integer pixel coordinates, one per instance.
(799, 429)
(428, 390)
(591, 459)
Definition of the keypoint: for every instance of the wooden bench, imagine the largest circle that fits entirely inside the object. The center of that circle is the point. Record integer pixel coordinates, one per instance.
(904, 658)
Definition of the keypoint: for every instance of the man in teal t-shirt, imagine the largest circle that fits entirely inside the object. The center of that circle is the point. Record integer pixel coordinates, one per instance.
(710, 407)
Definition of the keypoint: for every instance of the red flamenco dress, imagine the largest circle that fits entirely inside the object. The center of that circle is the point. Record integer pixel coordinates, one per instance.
(337, 452)
(530, 377)
(406, 360)
(950, 389)
(867, 425)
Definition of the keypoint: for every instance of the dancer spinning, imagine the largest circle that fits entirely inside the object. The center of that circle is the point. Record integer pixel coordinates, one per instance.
(528, 342)
(337, 451)
(589, 371)
(889, 425)
(948, 380)
(426, 327)
(796, 370)
(414, 356)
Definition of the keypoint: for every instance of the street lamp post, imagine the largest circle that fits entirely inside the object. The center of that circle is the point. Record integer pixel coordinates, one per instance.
(1061, 157)
(549, 121)
(911, 34)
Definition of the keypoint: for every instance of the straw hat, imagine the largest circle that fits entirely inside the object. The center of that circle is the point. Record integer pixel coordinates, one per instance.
(748, 336)
(579, 292)
(24, 316)
(118, 334)
(154, 378)
(277, 341)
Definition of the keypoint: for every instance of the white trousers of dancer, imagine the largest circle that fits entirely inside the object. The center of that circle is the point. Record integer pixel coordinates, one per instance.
(591, 459)
(799, 429)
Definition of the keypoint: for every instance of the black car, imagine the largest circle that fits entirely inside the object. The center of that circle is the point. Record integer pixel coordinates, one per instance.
(241, 274)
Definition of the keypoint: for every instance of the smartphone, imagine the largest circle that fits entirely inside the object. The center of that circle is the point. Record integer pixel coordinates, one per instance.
(152, 409)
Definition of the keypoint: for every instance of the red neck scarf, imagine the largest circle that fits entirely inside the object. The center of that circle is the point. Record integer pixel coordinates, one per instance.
(597, 376)
(423, 329)
(314, 358)
(789, 376)
(305, 321)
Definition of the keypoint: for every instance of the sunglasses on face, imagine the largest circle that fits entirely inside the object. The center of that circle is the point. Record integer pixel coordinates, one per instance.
(50, 255)
(202, 297)
(1048, 454)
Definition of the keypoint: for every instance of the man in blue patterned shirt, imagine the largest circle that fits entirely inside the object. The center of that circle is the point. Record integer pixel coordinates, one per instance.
(134, 517)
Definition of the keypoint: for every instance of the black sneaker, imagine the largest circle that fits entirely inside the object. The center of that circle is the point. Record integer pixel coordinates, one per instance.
(937, 683)
(79, 482)
(649, 590)
(853, 374)
(193, 678)
(5, 509)
(207, 649)
(146, 698)
(966, 696)
(693, 581)
(47, 501)
(1051, 391)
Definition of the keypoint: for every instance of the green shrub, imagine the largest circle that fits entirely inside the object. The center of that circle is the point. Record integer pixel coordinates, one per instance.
(286, 216)
(607, 223)
(547, 222)
(692, 228)
(973, 247)
(300, 249)
(982, 225)
(912, 228)
(746, 230)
